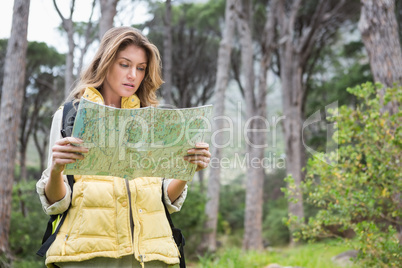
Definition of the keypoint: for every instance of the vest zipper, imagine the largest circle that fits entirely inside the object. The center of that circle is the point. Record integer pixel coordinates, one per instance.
(131, 210)
(141, 256)
(63, 249)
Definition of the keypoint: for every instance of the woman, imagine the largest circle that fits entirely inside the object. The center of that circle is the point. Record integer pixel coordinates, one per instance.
(113, 222)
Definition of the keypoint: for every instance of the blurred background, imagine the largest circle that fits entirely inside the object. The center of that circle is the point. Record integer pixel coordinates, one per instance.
(305, 137)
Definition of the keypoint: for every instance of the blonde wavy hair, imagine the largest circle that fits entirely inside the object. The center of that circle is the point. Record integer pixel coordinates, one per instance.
(115, 40)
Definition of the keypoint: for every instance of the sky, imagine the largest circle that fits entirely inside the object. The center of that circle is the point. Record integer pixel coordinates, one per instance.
(44, 20)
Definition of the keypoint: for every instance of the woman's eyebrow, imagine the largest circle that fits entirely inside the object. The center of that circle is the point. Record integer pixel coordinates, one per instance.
(124, 58)
(130, 60)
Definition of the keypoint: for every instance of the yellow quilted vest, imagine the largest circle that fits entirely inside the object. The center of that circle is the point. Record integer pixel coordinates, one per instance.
(98, 222)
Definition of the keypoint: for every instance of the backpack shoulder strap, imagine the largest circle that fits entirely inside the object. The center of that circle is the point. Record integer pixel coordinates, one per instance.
(176, 232)
(69, 113)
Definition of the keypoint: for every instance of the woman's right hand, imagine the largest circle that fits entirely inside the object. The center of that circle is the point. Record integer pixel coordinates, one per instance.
(65, 151)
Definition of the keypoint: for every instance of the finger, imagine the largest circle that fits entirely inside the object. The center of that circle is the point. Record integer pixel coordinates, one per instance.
(199, 152)
(199, 158)
(63, 155)
(69, 140)
(69, 148)
(62, 162)
(200, 164)
(202, 145)
(191, 158)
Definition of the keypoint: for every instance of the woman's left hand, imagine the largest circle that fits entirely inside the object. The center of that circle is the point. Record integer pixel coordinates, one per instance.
(199, 155)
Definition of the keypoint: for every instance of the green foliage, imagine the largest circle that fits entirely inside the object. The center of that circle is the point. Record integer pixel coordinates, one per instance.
(308, 256)
(359, 191)
(205, 17)
(28, 264)
(42, 58)
(44, 64)
(195, 41)
(338, 66)
(259, 19)
(27, 228)
(231, 206)
(275, 232)
(190, 219)
(233, 258)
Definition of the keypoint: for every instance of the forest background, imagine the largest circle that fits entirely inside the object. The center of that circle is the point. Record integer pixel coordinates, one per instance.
(305, 136)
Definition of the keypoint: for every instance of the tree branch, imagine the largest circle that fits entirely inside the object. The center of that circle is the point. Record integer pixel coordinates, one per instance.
(334, 11)
(58, 10)
(280, 15)
(307, 38)
(72, 9)
(267, 47)
(292, 17)
(88, 38)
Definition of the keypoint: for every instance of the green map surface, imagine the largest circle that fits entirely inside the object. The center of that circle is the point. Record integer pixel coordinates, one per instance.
(144, 142)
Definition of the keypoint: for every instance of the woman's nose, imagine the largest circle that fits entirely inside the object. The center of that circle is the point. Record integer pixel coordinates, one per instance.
(132, 73)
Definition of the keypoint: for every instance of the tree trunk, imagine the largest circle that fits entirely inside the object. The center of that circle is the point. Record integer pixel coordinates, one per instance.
(294, 149)
(29, 117)
(11, 103)
(254, 182)
(23, 166)
(167, 54)
(68, 26)
(108, 11)
(69, 84)
(379, 30)
(89, 37)
(256, 113)
(292, 96)
(222, 77)
(295, 48)
(41, 147)
(23, 176)
(23, 138)
(201, 176)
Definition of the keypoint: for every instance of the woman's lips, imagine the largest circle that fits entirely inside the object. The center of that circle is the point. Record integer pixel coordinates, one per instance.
(129, 85)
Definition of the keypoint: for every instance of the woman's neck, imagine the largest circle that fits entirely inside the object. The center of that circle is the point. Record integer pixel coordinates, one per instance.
(110, 99)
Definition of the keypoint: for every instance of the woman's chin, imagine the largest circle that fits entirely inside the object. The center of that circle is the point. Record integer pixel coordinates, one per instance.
(127, 93)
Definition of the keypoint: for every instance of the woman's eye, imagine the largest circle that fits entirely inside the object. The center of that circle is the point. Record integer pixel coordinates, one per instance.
(123, 65)
(141, 68)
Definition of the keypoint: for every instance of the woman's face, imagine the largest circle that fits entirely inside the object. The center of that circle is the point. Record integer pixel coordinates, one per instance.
(125, 74)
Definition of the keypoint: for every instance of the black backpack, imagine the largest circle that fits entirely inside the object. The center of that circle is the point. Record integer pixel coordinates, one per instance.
(69, 113)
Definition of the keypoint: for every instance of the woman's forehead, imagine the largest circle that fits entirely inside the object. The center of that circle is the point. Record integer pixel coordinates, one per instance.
(133, 53)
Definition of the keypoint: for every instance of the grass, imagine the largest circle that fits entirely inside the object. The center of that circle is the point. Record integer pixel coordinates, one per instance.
(316, 255)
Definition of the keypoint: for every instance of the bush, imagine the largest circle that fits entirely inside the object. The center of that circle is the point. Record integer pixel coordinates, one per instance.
(359, 191)
(190, 219)
(231, 206)
(276, 233)
(27, 228)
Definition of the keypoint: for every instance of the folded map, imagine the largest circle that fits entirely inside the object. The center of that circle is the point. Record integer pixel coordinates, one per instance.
(144, 142)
